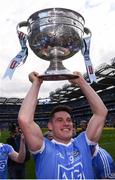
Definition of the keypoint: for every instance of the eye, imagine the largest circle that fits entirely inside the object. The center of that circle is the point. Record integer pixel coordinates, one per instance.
(59, 119)
(69, 120)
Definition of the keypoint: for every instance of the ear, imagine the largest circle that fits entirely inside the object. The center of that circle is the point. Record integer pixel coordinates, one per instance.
(50, 126)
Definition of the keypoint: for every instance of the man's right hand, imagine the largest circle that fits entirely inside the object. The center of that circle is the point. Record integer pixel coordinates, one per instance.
(34, 76)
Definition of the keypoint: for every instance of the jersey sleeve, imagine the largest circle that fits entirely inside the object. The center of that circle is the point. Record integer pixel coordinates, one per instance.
(9, 149)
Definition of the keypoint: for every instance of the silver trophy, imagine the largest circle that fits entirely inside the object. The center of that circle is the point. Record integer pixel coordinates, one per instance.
(55, 34)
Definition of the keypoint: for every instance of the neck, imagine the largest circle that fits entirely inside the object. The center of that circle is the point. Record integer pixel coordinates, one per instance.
(62, 141)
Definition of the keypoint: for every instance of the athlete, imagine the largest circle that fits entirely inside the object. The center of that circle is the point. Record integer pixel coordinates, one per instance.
(103, 164)
(7, 151)
(63, 157)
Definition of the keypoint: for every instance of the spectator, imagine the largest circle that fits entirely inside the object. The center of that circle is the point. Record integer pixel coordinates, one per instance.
(8, 151)
(83, 126)
(49, 135)
(16, 170)
(75, 133)
(63, 157)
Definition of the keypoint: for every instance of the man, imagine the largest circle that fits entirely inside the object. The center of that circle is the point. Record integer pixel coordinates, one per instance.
(49, 135)
(8, 151)
(75, 133)
(16, 170)
(63, 157)
(103, 164)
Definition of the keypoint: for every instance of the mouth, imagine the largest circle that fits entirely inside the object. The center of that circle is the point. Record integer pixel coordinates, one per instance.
(66, 130)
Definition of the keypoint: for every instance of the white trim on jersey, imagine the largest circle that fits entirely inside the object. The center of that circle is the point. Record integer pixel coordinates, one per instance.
(106, 165)
(40, 150)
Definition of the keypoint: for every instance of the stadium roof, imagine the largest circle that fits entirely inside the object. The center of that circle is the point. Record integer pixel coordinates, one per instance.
(105, 74)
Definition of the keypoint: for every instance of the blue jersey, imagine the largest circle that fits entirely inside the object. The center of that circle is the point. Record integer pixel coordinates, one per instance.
(59, 161)
(103, 165)
(5, 150)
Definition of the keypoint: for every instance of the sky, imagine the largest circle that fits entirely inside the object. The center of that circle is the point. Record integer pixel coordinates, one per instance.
(99, 17)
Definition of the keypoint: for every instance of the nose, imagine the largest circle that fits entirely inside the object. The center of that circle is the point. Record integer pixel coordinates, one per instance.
(66, 123)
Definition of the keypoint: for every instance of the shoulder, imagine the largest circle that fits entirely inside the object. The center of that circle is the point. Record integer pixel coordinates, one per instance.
(8, 148)
(81, 137)
(103, 157)
(104, 164)
(104, 154)
(47, 144)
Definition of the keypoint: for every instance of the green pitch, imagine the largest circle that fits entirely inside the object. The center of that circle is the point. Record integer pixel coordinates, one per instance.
(107, 141)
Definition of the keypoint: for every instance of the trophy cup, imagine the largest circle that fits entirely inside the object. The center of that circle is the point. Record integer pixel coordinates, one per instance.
(54, 35)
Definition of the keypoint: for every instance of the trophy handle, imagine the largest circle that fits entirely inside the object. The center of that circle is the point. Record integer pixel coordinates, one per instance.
(87, 32)
(21, 24)
(85, 52)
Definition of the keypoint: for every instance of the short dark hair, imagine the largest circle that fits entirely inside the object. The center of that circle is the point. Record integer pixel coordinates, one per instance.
(12, 127)
(83, 122)
(59, 108)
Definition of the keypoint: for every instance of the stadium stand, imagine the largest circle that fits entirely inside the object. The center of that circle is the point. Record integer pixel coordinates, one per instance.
(69, 95)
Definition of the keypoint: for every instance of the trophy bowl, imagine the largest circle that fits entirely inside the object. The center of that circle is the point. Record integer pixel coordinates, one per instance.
(55, 34)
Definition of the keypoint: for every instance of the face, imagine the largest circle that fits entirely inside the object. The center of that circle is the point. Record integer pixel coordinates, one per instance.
(50, 136)
(61, 126)
(16, 130)
(84, 126)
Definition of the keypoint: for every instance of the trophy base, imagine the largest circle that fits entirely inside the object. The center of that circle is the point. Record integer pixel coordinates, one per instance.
(58, 77)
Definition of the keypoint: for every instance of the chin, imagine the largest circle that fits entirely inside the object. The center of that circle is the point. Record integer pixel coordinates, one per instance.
(68, 138)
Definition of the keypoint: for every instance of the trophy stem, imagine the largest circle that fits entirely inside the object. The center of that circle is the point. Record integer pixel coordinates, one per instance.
(57, 71)
(55, 65)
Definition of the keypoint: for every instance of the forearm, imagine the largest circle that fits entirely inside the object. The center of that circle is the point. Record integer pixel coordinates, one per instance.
(22, 151)
(99, 110)
(95, 102)
(28, 106)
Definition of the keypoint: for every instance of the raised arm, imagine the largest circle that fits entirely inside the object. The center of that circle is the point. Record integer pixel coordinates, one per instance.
(97, 121)
(19, 157)
(31, 130)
